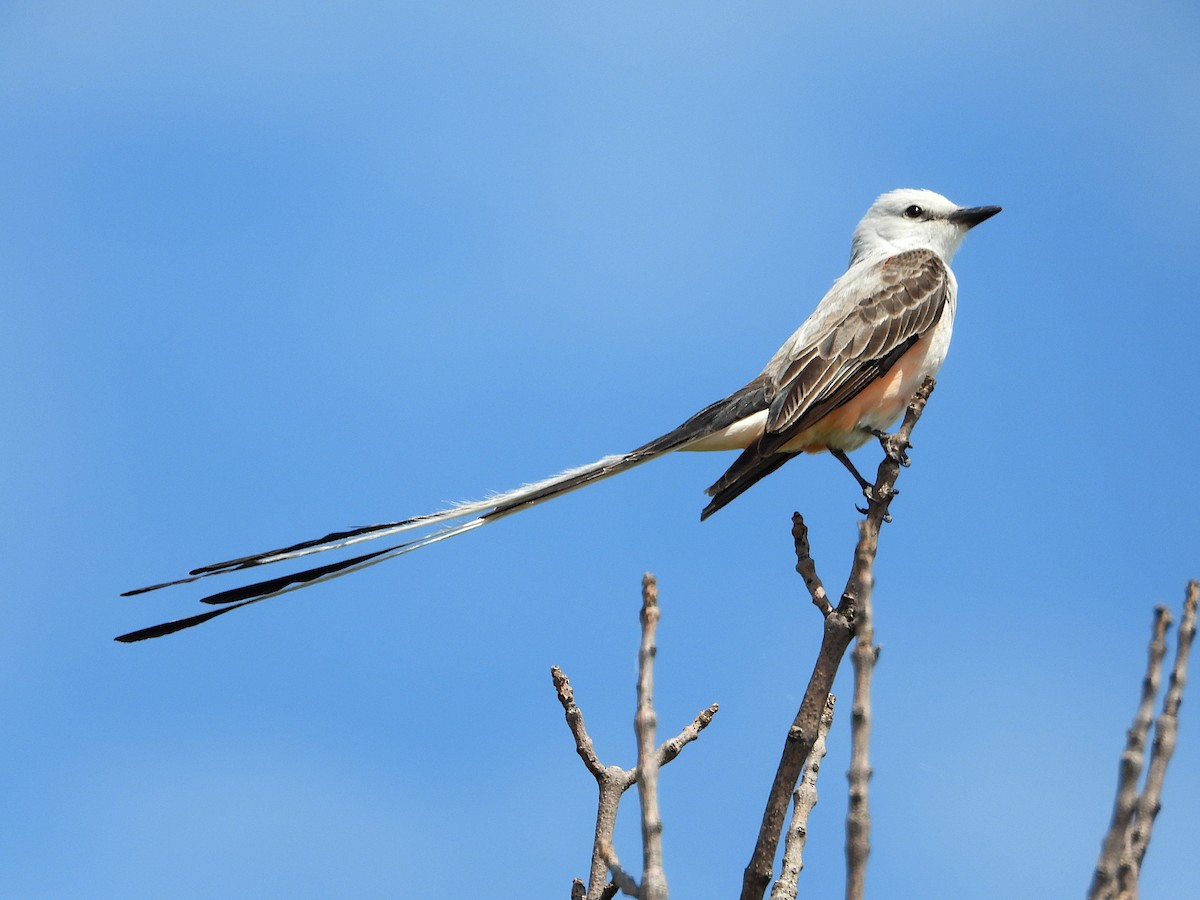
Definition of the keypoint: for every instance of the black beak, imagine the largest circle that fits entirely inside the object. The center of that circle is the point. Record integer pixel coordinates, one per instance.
(972, 215)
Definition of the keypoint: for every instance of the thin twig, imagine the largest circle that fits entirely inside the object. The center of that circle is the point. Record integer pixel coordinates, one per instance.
(670, 749)
(1104, 882)
(807, 568)
(858, 817)
(621, 879)
(1124, 847)
(804, 798)
(645, 726)
(583, 743)
(800, 740)
(839, 629)
(613, 781)
(1166, 727)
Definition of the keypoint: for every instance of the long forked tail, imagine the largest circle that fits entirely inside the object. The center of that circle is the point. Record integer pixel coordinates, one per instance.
(476, 514)
(448, 523)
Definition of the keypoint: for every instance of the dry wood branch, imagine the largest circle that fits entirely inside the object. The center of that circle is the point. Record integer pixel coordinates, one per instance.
(800, 740)
(839, 629)
(645, 726)
(613, 781)
(670, 749)
(1166, 728)
(583, 743)
(1104, 882)
(621, 879)
(807, 568)
(579, 890)
(1124, 847)
(804, 798)
(858, 818)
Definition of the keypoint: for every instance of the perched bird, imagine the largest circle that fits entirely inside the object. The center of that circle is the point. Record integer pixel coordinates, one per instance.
(845, 375)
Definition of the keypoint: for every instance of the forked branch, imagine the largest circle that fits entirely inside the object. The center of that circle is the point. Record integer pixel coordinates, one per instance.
(613, 781)
(1124, 846)
(804, 798)
(840, 623)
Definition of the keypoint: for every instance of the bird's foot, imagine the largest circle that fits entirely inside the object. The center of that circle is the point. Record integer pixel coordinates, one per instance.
(893, 445)
(887, 516)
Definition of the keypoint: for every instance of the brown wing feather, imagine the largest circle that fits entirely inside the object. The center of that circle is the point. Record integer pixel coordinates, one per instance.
(907, 305)
(852, 354)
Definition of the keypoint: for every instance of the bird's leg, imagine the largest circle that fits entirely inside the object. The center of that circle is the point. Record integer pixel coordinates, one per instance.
(840, 456)
(868, 489)
(893, 445)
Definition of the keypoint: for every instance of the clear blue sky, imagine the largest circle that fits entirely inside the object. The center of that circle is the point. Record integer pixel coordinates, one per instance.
(271, 269)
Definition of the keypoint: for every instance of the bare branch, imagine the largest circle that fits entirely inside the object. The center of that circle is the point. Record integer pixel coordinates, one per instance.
(800, 740)
(807, 568)
(621, 879)
(613, 781)
(1165, 730)
(858, 817)
(1115, 876)
(610, 780)
(671, 749)
(839, 629)
(645, 726)
(804, 798)
(583, 743)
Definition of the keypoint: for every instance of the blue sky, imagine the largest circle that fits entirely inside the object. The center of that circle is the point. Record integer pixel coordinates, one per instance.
(274, 269)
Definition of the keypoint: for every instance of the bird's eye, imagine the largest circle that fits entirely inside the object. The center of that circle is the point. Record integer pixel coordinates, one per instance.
(913, 212)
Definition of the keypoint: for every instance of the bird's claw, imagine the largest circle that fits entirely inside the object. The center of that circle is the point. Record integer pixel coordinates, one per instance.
(887, 516)
(873, 497)
(894, 446)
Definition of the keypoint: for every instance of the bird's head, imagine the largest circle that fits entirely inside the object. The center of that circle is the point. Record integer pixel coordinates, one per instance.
(912, 219)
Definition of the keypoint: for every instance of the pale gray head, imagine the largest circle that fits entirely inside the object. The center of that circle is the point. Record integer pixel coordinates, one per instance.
(911, 219)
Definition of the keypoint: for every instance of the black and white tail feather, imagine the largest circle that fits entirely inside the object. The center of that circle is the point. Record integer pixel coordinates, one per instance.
(897, 295)
(477, 513)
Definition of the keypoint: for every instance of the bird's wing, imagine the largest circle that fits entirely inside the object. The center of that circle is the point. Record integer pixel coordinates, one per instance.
(868, 323)
(862, 327)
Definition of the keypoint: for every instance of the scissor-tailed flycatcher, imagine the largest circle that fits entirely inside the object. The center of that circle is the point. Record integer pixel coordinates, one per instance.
(844, 376)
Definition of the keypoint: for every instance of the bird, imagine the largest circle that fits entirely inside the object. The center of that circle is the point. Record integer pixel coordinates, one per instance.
(844, 376)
